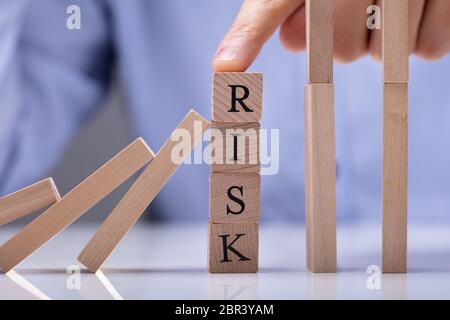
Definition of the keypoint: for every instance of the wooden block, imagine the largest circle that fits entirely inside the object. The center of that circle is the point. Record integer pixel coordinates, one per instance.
(233, 248)
(28, 200)
(319, 40)
(74, 204)
(237, 97)
(139, 196)
(395, 37)
(235, 147)
(234, 197)
(320, 178)
(395, 177)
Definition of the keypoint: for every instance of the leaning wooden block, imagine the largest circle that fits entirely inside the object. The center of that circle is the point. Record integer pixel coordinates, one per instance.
(395, 178)
(74, 204)
(233, 248)
(395, 45)
(234, 197)
(320, 177)
(237, 97)
(142, 192)
(235, 147)
(319, 40)
(28, 200)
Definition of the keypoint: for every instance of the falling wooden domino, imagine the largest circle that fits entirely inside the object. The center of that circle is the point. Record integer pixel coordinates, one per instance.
(73, 205)
(395, 37)
(320, 150)
(28, 200)
(139, 196)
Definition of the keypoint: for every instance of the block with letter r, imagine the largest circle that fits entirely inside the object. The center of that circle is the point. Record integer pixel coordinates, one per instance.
(237, 97)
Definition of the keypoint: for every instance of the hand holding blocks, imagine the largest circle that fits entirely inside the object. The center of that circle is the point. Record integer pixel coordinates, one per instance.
(235, 181)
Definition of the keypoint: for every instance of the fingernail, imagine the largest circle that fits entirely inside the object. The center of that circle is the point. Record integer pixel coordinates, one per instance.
(226, 54)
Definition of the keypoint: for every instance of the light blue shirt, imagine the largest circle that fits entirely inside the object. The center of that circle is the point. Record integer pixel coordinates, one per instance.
(52, 80)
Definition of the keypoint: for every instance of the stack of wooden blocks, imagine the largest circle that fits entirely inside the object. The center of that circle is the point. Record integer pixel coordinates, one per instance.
(235, 181)
(320, 150)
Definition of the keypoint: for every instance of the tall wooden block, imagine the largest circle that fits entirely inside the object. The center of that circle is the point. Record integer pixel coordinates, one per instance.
(395, 45)
(74, 204)
(237, 97)
(141, 193)
(233, 248)
(320, 177)
(28, 200)
(319, 40)
(235, 147)
(234, 197)
(395, 177)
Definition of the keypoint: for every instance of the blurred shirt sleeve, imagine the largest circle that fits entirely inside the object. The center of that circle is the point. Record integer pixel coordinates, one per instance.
(52, 80)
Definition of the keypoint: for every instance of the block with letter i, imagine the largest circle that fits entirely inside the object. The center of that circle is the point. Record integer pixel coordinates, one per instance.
(235, 181)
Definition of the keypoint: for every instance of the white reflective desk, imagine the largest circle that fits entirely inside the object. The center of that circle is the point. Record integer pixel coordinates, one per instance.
(169, 262)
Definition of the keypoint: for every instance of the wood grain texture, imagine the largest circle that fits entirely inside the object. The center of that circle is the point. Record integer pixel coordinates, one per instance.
(395, 41)
(28, 200)
(222, 96)
(74, 204)
(139, 196)
(234, 197)
(319, 40)
(224, 150)
(320, 178)
(395, 177)
(242, 237)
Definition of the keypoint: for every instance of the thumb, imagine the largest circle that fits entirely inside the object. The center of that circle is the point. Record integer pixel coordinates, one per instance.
(255, 23)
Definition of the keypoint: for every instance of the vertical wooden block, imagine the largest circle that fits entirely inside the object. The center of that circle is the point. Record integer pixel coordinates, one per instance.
(320, 177)
(234, 197)
(28, 200)
(395, 45)
(235, 147)
(319, 40)
(74, 204)
(237, 97)
(233, 248)
(141, 193)
(395, 177)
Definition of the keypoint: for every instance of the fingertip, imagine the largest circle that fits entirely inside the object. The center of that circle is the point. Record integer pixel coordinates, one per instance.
(231, 59)
(229, 66)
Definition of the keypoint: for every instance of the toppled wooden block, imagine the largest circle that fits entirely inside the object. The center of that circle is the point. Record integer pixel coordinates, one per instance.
(73, 205)
(28, 200)
(139, 196)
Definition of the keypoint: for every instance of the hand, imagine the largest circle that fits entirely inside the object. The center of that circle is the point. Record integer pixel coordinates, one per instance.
(258, 20)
